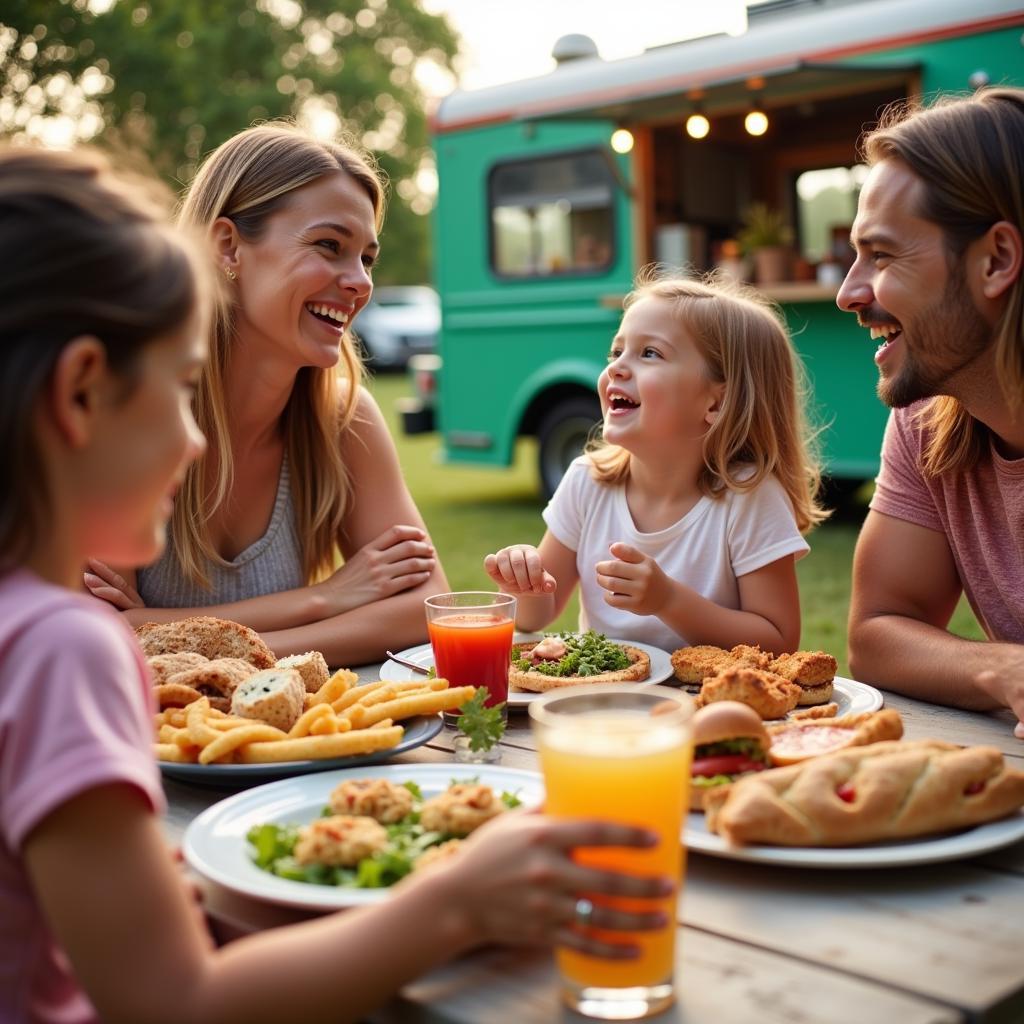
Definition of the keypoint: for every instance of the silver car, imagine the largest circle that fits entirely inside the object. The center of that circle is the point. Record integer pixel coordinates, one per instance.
(398, 322)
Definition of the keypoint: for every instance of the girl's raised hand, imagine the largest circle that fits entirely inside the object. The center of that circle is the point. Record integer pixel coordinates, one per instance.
(101, 581)
(517, 569)
(634, 581)
(517, 883)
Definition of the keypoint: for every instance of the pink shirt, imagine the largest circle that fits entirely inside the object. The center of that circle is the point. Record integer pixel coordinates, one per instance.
(75, 712)
(981, 513)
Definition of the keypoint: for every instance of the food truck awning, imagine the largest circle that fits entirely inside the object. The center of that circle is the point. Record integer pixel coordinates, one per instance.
(826, 47)
(790, 83)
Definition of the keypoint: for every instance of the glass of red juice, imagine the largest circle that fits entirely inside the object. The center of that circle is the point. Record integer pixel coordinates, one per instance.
(471, 635)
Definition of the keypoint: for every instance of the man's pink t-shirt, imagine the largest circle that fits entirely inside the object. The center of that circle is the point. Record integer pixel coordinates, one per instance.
(75, 713)
(981, 513)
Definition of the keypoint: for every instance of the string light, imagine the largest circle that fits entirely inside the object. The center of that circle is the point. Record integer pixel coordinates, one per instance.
(697, 125)
(622, 140)
(756, 122)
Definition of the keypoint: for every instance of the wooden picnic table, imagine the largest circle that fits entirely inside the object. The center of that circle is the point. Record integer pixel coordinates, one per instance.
(776, 945)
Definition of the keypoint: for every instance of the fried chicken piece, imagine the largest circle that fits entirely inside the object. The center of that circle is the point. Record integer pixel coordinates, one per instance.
(808, 668)
(817, 711)
(206, 635)
(769, 695)
(692, 665)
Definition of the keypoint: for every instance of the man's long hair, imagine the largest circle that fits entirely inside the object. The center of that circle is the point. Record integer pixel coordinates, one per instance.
(969, 153)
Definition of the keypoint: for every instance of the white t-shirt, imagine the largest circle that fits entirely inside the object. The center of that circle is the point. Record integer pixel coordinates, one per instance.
(718, 540)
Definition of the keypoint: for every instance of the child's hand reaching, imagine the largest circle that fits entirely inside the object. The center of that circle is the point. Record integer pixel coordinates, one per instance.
(517, 569)
(634, 581)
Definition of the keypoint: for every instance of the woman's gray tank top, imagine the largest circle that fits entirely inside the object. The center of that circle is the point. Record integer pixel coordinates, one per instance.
(269, 565)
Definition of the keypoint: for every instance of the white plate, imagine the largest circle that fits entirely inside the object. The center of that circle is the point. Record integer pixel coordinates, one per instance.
(898, 853)
(216, 847)
(852, 697)
(661, 666)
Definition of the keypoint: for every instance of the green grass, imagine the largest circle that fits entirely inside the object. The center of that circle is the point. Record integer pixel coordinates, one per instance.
(471, 512)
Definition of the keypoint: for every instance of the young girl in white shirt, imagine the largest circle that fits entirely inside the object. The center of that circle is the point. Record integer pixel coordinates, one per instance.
(682, 525)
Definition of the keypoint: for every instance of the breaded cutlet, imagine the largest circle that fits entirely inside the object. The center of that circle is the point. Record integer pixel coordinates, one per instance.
(692, 665)
(808, 668)
(769, 695)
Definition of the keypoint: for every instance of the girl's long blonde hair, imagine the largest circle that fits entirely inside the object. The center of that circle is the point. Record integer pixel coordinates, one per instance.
(761, 423)
(247, 179)
(969, 152)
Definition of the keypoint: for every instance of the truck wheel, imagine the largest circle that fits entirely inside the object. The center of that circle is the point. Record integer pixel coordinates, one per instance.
(561, 435)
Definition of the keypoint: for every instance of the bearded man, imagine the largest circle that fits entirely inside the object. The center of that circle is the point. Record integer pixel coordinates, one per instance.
(938, 282)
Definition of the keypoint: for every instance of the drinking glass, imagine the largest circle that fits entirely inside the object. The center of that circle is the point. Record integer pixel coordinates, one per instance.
(471, 635)
(620, 753)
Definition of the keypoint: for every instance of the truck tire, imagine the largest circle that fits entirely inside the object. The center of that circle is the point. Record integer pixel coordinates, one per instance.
(561, 435)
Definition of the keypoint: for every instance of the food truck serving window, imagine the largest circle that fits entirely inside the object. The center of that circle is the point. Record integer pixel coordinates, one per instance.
(552, 215)
(826, 206)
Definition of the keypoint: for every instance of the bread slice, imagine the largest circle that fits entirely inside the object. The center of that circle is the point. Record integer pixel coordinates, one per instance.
(163, 666)
(638, 669)
(208, 636)
(890, 790)
(311, 666)
(275, 696)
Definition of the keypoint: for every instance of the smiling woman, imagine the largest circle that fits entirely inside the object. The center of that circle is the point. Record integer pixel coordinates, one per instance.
(284, 488)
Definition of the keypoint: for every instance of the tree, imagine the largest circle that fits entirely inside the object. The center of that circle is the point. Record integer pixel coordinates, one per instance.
(174, 78)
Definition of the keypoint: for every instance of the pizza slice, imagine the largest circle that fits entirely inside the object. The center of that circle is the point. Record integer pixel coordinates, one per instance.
(569, 659)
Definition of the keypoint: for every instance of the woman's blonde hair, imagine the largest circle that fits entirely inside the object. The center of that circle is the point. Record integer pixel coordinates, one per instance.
(969, 153)
(761, 425)
(247, 179)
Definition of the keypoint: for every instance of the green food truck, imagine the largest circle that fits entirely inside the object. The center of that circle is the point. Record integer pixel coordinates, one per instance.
(736, 153)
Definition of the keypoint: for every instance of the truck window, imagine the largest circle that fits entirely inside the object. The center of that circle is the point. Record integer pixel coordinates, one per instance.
(826, 203)
(552, 215)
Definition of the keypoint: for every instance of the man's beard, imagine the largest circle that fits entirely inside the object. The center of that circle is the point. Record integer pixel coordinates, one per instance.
(956, 335)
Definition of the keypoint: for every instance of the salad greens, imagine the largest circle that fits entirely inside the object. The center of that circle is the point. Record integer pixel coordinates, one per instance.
(587, 654)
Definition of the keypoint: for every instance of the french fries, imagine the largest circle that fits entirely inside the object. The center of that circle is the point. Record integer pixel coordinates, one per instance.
(312, 748)
(341, 719)
(408, 704)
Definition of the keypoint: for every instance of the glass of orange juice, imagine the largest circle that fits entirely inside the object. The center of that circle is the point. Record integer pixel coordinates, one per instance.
(621, 753)
(471, 635)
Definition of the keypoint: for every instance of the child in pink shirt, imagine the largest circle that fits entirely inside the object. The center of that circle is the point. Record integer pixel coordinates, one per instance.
(101, 344)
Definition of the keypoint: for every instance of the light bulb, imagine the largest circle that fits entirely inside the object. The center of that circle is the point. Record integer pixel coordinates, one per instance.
(756, 122)
(622, 140)
(697, 126)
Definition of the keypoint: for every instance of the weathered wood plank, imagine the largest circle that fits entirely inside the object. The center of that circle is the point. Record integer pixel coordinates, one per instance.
(950, 932)
(719, 980)
(922, 720)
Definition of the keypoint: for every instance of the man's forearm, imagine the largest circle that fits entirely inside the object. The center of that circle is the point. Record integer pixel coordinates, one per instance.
(914, 658)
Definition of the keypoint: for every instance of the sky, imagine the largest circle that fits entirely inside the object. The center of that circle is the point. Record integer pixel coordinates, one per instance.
(508, 40)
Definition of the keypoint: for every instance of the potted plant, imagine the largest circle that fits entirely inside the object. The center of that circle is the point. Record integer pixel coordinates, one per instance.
(767, 237)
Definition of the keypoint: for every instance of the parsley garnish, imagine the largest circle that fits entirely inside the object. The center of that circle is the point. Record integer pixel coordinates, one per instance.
(484, 726)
